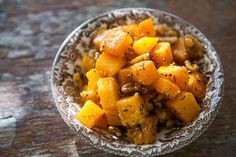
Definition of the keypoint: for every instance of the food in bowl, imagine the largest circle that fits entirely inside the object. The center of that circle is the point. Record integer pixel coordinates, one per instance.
(138, 79)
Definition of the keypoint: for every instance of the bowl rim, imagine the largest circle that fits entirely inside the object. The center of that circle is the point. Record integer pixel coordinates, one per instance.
(94, 18)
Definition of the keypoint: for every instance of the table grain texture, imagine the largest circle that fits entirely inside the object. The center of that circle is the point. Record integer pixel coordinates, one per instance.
(30, 34)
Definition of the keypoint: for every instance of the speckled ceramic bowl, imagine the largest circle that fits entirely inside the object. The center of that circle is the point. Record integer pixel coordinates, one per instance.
(66, 96)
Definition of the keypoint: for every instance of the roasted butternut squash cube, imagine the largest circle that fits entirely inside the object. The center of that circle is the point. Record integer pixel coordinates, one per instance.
(146, 28)
(112, 117)
(131, 110)
(176, 74)
(132, 30)
(184, 107)
(116, 42)
(108, 91)
(102, 122)
(144, 72)
(99, 37)
(87, 63)
(166, 87)
(144, 45)
(124, 76)
(89, 95)
(93, 75)
(197, 85)
(109, 64)
(180, 54)
(90, 114)
(162, 54)
(146, 133)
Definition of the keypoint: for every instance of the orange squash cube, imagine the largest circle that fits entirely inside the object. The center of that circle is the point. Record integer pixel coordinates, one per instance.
(108, 91)
(197, 85)
(89, 95)
(145, 133)
(144, 72)
(87, 63)
(146, 28)
(93, 75)
(132, 30)
(99, 37)
(116, 42)
(112, 117)
(90, 114)
(109, 64)
(176, 74)
(144, 45)
(131, 110)
(185, 107)
(162, 54)
(166, 87)
(124, 76)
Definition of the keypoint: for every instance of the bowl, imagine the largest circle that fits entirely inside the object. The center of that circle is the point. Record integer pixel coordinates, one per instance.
(66, 96)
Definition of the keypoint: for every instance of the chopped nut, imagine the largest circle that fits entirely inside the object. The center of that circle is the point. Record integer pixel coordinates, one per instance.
(89, 95)
(195, 50)
(165, 30)
(148, 105)
(131, 88)
(191, 67)
(77, 79)
(143, 57)
(114, 130)
(171, 40)
(158, 104)
(188, 42)
(170, 123)
(163, 114)
(158, 98)
(97, 54)
(92, 52)
(171, 33)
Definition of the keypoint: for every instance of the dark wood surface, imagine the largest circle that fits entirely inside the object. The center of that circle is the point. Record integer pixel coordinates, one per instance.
(30, 34)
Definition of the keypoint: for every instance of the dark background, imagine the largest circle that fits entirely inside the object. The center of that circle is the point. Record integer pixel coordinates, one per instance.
(30, 34)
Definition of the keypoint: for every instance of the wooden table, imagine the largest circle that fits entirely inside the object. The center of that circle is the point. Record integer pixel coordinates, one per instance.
(30, 34)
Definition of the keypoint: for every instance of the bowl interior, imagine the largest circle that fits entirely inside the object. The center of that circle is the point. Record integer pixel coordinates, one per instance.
(66, 95)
